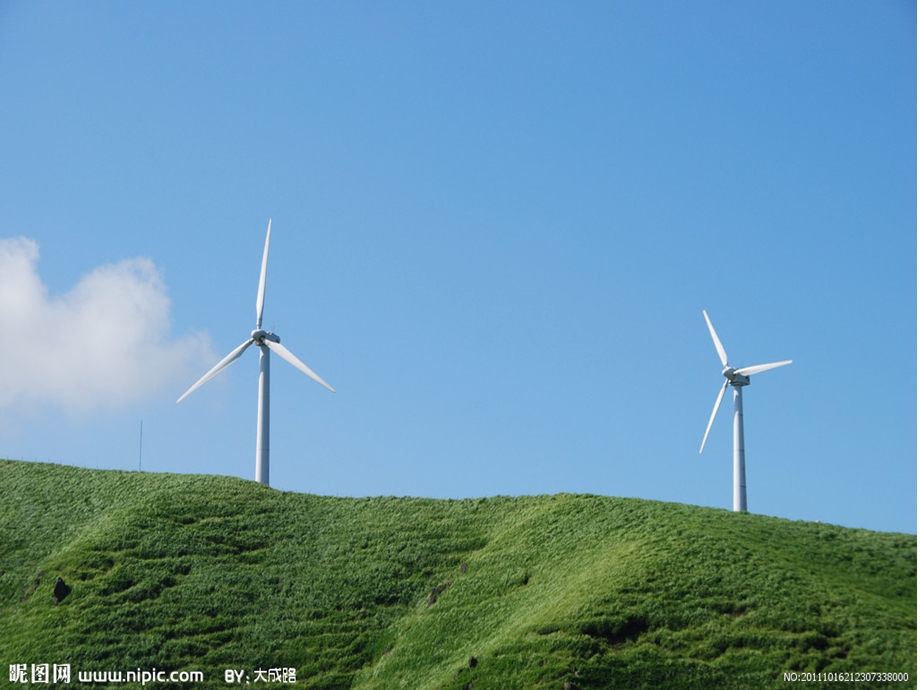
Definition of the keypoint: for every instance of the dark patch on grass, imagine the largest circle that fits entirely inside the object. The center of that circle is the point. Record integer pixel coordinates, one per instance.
(28, 590)
(436, 592)
(617, 631)
(61, 590)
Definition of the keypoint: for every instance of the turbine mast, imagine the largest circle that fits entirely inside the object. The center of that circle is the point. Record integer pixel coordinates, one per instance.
(262, 418)
(740, 492)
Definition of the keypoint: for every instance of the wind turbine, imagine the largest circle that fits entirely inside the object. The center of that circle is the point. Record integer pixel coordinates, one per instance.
(737, 378)
(268, 342)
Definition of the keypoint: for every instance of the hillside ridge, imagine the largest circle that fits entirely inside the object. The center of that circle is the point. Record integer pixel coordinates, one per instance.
(206, 573)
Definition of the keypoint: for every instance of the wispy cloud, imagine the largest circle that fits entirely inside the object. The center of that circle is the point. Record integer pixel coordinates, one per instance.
(103, 344)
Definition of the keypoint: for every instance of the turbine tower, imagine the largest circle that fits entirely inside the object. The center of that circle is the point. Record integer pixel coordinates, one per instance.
(737, 378)
(268, 342)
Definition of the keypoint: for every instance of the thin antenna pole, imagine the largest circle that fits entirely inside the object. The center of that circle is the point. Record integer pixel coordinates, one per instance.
(140, 450)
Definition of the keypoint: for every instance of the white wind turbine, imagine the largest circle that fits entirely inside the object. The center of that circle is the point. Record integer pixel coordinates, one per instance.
(268, 342)
(737, 378)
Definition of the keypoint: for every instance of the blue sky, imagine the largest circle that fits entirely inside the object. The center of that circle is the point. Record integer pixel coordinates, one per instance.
(495, 228)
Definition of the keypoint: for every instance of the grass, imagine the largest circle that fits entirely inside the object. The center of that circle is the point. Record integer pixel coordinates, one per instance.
(183, 572)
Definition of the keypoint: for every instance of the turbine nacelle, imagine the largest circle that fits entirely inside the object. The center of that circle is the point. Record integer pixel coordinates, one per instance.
(259, 337)
(734, 378)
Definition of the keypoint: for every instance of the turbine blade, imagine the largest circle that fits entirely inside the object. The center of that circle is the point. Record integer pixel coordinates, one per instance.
(713, 415)
(260, 297)
(287, 355)
(715, 339)
(757, 368)
(222, 364)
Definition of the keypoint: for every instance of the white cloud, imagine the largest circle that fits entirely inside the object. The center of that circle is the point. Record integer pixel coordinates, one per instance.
(104, 344)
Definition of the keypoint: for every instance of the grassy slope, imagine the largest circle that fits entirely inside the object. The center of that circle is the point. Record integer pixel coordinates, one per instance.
(207, 573)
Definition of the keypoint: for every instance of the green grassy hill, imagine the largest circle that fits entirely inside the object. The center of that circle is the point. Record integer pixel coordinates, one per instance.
(203, 573)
